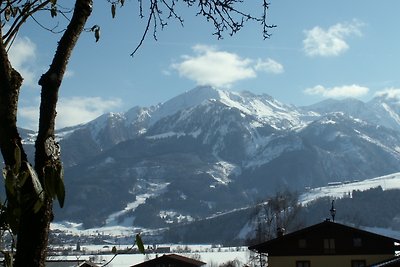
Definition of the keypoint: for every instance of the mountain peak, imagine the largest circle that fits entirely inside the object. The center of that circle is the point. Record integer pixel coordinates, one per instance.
(204, 91)
(186, 100)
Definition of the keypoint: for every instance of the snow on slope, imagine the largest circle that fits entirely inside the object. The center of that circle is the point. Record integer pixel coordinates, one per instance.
(391, 181)
(186, 100)
(221, 171)
(338, 190)
(263, 107)
(155, 190)
(114, 226)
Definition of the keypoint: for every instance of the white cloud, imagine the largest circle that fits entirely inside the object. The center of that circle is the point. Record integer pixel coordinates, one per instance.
(209, 66)
(330, 42)
(212, 67)
(76, 110)
(338, 91)
(22, 56)
(71, 111)
(389, 93)
(269, 65)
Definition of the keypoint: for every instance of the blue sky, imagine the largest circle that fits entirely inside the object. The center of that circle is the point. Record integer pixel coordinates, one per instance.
(320, 49)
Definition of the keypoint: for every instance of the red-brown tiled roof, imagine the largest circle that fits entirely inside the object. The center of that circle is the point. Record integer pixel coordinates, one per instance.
(171, 257)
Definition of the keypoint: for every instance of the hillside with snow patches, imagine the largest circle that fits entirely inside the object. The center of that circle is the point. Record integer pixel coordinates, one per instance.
(333, 191)
(338, 190)
(210, 151)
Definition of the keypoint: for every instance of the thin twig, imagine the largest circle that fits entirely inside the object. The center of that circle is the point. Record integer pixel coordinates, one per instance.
(116, 254)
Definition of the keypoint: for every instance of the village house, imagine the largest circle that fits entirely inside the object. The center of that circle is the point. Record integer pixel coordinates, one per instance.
(70, 263)
(328, 244)
(171, 260)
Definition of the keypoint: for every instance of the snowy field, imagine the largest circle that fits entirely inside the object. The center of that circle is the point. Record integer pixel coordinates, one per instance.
(391, 181)
(214, 258)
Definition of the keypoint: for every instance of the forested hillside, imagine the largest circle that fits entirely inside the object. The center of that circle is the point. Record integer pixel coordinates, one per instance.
(371, 208)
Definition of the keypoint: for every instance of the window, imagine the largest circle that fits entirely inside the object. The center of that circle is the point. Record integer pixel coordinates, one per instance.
(303, 263)
(358, 263)
(329, 245)
(357, 242)
(302, 243)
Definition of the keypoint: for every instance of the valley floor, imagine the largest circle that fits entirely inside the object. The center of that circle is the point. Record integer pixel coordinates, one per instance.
(213, 257)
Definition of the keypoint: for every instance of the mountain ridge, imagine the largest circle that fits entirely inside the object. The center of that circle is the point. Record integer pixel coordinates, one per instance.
(209, 150)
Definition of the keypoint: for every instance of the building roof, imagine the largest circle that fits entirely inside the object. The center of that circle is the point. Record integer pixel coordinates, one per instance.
(70, 263)
(393, 262)
(178, 259)
(63, 263)
(88, 264)
(320, 230)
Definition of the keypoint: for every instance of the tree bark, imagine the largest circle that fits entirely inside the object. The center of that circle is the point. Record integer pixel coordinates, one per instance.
(10, 84)
(34, 227)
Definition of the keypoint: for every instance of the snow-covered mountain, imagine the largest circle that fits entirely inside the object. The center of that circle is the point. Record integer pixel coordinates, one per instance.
(208, 151)
(113, 128)
(263, 107)
(383, 109)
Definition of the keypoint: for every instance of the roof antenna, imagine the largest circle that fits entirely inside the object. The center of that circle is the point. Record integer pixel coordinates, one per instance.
(333, 211)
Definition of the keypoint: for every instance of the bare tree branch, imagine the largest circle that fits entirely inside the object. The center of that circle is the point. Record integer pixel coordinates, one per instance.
(223, 14)
(18, 13)
(27, 10)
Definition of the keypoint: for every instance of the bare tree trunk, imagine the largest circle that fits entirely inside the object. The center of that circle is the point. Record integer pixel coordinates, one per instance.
(10, 84)
(10, 140)
(33, 228)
